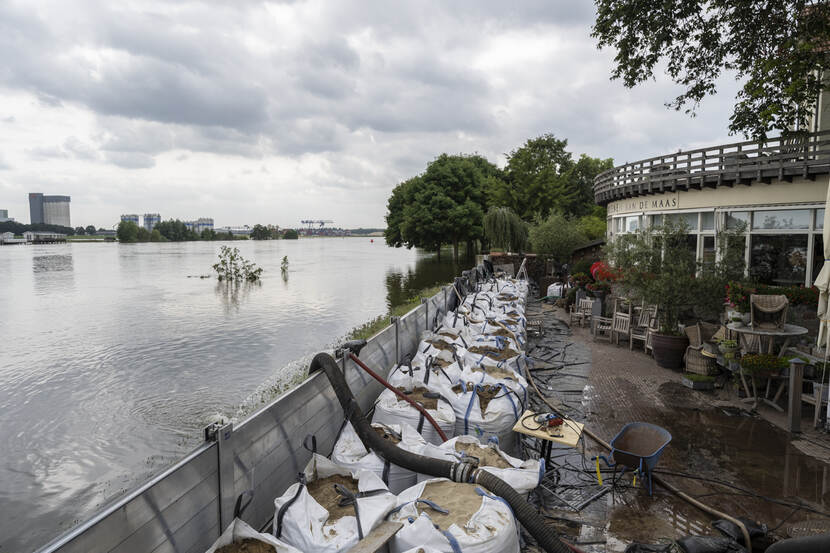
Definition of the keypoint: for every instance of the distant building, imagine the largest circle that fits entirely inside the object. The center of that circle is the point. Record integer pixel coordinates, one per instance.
(105, 233)
(203, 223)
(244, 230)
(50, 210)
(151, 220)
(37, 236)
(130, 217)
(4, 216)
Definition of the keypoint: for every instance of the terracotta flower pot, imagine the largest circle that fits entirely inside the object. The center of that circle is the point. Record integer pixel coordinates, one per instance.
(669, 350)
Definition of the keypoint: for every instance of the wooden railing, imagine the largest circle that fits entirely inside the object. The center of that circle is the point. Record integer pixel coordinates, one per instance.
(781, 158)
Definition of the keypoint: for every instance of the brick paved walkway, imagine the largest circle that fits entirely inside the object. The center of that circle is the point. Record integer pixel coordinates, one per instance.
(711, 440)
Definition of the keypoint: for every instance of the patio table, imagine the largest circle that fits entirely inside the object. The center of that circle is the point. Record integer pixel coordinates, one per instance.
(786, 331)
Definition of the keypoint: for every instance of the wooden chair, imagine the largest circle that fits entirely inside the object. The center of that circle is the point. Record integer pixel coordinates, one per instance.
(640, 331)
(602, 326)
(582, 311)
(622, 321)
(652, 329)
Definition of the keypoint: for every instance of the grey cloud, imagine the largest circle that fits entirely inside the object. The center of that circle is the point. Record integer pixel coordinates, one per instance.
(131, 160)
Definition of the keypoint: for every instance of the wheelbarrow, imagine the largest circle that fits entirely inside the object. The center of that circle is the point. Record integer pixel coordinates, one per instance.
(638, 446)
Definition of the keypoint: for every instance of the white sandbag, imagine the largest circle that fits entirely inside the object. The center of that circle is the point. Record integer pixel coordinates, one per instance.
(491, 528)
(349, 452)
(502, 410)
(424, 371)
(522, 476)
(389, 410)
(305, 524)
(238, 530)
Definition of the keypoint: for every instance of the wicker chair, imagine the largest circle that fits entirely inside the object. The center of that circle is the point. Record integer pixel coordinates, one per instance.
(697, 361)
(768, 310)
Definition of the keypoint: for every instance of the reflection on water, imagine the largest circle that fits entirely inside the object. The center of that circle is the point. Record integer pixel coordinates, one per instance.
(402, 286)
(233, 294)
(113, 360)
(49, 263)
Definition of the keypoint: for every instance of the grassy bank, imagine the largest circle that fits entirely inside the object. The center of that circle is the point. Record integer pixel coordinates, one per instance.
(372, 327)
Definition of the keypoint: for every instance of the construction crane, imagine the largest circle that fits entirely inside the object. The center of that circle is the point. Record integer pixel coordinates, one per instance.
(319, 222)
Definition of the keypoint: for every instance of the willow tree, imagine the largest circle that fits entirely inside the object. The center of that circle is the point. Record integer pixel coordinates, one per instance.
(504, 229)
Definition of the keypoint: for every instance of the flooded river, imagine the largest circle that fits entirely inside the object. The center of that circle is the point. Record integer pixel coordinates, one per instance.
(114, 357)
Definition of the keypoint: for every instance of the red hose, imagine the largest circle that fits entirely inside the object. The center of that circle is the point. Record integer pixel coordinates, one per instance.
(400, 394)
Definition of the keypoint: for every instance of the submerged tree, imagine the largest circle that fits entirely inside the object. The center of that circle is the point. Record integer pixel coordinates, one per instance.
(504, 229)
(778, 48)
(233, 267)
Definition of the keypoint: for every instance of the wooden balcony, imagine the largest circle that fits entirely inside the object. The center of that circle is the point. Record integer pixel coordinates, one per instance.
(776, 159)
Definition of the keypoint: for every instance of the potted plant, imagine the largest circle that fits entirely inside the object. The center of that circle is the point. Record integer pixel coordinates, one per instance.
(728, 348)
(698, 381)
(658, 266)
(737, 299)
(763, 365)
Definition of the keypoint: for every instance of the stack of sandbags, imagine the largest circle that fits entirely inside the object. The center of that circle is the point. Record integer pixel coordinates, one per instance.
(350, 453)
(312, 515)
(523, 476)
(449, 517)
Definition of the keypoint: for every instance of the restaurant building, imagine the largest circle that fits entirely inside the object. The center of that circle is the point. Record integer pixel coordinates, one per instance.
(777, 188)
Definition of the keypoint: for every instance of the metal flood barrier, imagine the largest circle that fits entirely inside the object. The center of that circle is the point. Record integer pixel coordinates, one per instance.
(185, 508)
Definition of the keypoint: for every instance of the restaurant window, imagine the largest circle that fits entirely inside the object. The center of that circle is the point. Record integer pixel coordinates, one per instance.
(818, 254)
(819, 219)
(734, 219)
(690, 219)
(709, 251)
(632, 224)
(790, 219)
(707, 220)
(779, 260)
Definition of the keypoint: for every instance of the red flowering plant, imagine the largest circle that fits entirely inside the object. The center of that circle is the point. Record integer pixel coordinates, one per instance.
(581, 279)
(737, 296)
(601, 271)
(599, 287)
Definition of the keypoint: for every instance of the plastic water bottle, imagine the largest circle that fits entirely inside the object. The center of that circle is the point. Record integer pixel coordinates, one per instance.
(589, 395)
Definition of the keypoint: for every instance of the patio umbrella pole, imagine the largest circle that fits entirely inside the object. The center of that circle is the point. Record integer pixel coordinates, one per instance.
(689, 499)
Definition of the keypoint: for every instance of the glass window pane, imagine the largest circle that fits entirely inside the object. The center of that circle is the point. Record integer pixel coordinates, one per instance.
(632, 224)
(708, 253)
(735, 218)
(707, 220)
(781, 219)
(819, 219)
(818, 254)
(678, 218)
(779, 259)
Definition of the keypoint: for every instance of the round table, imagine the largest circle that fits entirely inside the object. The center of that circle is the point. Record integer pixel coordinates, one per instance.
(787, 331)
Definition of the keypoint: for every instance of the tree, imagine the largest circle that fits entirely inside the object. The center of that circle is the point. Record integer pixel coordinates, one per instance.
(208, 234)
(556, 236)
(143, 234)
(127, 232)
(504, 229)
(90, 229)
(175, 231)
(777, 48)
(580, 179)
(155, 236)
(534, 183)
(260, 232)
(291, 234)
(444, 205)
(80, 231)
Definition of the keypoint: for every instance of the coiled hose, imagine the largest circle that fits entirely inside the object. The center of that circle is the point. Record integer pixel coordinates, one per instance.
(457, 472)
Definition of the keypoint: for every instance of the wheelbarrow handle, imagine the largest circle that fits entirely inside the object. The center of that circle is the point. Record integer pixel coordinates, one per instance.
(608, 463)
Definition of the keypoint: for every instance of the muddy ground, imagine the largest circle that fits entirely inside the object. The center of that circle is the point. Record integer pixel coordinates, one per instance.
(764, 477)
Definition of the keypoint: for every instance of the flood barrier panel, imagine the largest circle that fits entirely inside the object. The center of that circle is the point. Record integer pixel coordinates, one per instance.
(185, 508)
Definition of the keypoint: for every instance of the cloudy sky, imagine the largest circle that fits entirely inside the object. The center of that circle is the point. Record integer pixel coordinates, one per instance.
(271, 112)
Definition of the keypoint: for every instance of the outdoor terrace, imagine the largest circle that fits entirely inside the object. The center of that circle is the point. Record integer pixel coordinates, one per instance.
(783, 158)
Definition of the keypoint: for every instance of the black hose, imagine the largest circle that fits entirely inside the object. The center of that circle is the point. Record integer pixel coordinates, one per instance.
(809, 544)
(458, 472)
